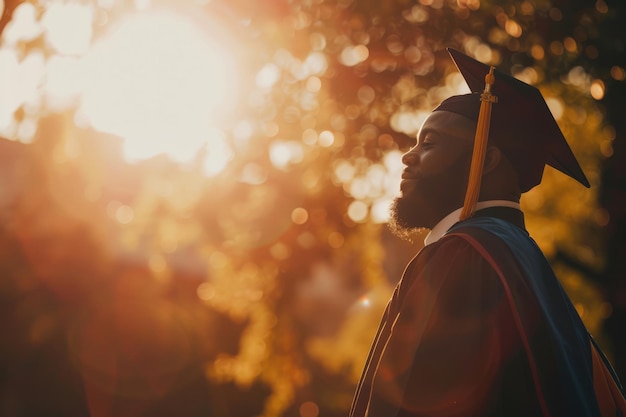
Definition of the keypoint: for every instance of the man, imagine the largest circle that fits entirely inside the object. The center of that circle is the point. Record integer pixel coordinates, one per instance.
(479, 325)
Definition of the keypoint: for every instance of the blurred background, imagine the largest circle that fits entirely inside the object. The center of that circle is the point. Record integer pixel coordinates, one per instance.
(193, 193)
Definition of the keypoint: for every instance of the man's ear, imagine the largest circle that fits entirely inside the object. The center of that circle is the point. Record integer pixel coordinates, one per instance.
(492, 159)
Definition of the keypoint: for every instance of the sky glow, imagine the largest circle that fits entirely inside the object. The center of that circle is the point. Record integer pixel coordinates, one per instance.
(160, 82)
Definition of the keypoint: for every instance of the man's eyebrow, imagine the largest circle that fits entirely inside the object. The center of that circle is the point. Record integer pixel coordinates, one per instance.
(429, 131)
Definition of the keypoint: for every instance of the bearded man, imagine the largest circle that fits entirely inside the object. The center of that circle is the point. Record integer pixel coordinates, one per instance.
(479, 324)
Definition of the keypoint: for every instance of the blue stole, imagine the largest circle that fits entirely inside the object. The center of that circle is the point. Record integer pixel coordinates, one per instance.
(569, 337)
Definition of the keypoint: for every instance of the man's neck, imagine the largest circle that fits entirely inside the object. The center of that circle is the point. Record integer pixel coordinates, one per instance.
(451, 219)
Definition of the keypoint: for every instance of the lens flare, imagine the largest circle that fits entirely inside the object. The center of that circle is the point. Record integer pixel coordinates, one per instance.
(160, 82)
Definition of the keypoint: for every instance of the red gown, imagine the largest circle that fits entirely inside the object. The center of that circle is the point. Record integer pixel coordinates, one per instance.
(461, 337)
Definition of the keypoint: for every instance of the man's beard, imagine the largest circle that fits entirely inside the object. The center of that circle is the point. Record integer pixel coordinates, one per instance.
(402, 222)
(424, 204)
(429, 198)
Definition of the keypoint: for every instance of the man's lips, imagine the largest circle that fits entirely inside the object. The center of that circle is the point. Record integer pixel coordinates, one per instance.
(407, 183)
(409, 180)
(408, 175)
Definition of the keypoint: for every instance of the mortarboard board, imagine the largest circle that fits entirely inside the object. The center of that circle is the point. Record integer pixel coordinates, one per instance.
(521, 123)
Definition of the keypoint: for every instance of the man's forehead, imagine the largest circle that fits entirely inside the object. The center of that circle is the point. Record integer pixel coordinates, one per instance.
(447, 124)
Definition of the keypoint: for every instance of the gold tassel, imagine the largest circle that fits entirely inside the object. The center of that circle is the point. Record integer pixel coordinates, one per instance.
(480, 148)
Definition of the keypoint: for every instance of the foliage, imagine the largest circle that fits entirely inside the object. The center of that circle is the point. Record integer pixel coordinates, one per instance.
(270, 273)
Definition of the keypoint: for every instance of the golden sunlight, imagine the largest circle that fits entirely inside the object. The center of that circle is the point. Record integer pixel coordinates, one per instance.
(158, 80)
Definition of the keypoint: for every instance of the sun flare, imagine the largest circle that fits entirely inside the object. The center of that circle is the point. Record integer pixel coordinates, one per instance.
(160, 81)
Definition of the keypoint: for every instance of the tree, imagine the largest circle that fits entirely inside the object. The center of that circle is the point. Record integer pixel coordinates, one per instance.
(267, 277)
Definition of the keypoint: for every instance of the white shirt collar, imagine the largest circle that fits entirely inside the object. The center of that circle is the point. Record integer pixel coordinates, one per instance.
(451, 219)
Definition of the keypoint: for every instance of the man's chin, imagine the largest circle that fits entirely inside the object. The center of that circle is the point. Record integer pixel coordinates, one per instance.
(404, 222)
(403, 232)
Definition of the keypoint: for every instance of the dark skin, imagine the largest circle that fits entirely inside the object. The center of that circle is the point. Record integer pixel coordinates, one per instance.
(455, 333)
(435, 178)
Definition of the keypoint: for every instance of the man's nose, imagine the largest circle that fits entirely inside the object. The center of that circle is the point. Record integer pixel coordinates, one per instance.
(410, 158)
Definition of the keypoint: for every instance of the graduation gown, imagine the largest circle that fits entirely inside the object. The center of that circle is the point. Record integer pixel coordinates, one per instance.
(480, 326)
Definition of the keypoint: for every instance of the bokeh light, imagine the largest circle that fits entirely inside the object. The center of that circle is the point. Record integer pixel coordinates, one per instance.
(309, 409)
(68, 27)
(161, 82)
(211, 180)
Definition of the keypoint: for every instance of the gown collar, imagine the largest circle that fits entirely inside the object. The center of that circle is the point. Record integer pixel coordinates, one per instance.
(451, 219)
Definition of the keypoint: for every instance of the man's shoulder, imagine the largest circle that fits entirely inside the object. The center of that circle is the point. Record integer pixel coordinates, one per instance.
(503, 245)
(492, 231)
(494, 240)
(462, 243)
(462, 234)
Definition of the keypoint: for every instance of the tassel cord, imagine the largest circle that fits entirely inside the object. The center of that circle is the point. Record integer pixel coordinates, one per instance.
(480, 148)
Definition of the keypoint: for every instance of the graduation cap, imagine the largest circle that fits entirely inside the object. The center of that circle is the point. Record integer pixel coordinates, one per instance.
(516, 118)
